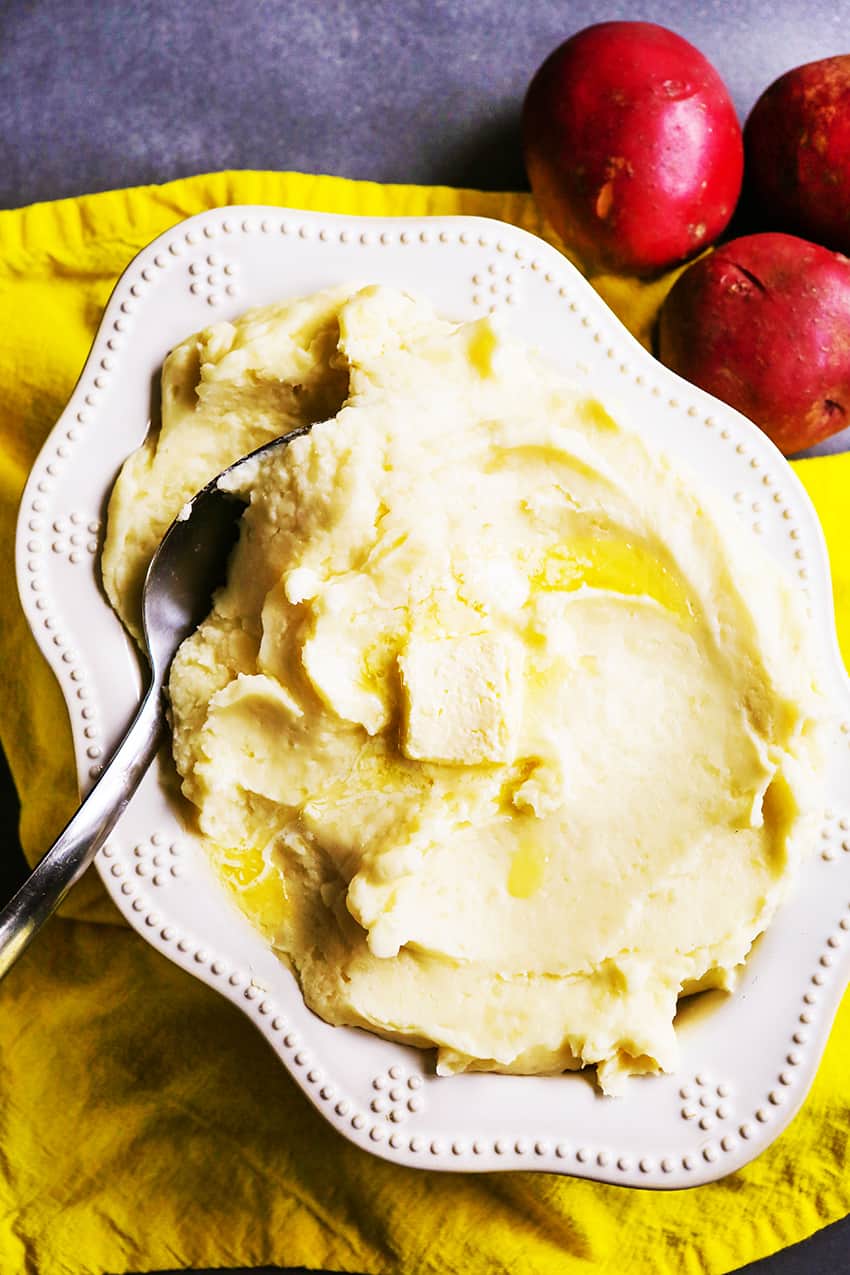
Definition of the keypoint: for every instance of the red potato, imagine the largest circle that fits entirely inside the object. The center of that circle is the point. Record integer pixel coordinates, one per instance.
(764, 324)
(632, 147)
(797, 146)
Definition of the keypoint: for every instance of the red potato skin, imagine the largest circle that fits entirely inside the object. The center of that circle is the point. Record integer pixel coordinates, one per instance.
(797, 147)
(764, 324)
(632, 147)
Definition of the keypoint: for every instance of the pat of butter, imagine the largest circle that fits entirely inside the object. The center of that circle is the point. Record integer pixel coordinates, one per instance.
(336, 671)
(459, 699)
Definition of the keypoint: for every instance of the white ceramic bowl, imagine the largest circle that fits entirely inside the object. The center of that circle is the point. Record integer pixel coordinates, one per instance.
(747, 1059)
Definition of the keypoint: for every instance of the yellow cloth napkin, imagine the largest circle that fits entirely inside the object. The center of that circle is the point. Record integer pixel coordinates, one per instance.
(144, 1123)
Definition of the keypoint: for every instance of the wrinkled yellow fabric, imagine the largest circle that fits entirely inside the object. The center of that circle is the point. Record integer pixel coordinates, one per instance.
(144, 1123)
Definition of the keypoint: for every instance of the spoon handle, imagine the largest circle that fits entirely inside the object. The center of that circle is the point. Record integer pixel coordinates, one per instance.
(72, 852)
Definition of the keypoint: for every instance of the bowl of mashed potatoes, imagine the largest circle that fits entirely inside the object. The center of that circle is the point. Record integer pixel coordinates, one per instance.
(506, 732)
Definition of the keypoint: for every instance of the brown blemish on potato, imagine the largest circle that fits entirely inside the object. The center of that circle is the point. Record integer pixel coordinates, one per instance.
(675, 90)
(604, 200)
(747, 282)
(617, 166)
(820, 142)
(825, 417)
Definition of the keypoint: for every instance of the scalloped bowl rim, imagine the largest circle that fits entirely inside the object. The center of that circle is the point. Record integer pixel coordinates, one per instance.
(671, 1131)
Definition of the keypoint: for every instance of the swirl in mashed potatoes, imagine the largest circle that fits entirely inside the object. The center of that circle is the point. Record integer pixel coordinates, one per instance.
(500, 730)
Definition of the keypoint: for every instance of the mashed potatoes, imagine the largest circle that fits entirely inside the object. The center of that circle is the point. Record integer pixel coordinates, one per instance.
(504, 737)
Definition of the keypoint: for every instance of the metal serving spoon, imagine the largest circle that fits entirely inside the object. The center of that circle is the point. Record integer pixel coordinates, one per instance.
(185, 571)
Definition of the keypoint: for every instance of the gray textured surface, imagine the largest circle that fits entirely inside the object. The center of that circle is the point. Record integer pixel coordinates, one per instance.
(96, 94)
(102, 93)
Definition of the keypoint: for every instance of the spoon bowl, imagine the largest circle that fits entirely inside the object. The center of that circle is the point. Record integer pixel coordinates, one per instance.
(184, 573)
(190, 562)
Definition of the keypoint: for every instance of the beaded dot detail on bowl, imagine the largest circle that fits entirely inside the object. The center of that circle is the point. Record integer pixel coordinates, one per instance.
(397, 1094)
(835, 836)
(705, 1101)
(213, 279)
(72, 536)
(158, 859)
(494, 285)
(760, 512)
(75, 536)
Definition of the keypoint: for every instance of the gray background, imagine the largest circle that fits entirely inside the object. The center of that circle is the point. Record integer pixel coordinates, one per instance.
(100, 95)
